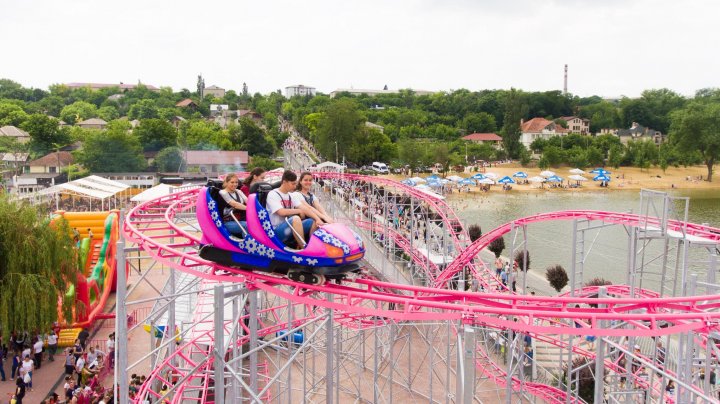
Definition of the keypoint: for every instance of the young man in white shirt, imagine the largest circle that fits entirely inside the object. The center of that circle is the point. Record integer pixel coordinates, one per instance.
(282, 205)
(52, 345)
(37, 349)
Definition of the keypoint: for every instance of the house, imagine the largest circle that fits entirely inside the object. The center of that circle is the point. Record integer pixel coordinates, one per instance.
(355, 91)
(99, 86)
(218, 109)
(139, 180)
(51, 163)
(187, 103)
(577, 124)
(375, 126)
(248, 113)
(31, 183)
(301, 90)
(92, 123)
(639, 132)
(14, 161)
(489, 138)
(215, 91)
(16, 133)
(539, 128)
(176, 121)
(215, 161)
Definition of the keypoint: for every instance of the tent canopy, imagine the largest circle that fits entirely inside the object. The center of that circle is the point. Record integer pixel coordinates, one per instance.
(152, 193)
(92, 186)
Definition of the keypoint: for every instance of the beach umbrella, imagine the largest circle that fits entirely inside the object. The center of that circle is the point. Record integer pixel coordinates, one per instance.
(520, 174)
(432, 177)
(576, 177)
(478, 176)
(492, 176)
(537, 179)
(601, 177)
(417, 180)
(454, 178)
(422, 186)
(486, 181)
(577, 171)
(408, 182)
(600, 171)
(467, 181)
(555, 178)
(547, 174)
(506, 180)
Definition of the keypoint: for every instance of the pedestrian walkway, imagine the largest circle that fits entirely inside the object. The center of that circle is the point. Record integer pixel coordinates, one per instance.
(43, 380)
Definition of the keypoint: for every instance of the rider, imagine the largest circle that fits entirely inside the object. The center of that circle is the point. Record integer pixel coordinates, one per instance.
(235, 201)
(303, 190)
(286, 210)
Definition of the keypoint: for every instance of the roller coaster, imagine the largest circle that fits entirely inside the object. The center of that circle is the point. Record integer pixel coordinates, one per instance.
(408, 328)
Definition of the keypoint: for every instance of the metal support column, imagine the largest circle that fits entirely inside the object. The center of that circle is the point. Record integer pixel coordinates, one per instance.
(600, 356)
(329, 351)
(219, 345)
(121, 337)
(469, 365)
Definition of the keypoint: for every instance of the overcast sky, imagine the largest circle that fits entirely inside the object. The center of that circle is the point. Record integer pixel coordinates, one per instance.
(612, 47)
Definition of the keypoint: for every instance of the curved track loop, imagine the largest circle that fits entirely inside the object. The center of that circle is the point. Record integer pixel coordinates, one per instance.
(151, 225)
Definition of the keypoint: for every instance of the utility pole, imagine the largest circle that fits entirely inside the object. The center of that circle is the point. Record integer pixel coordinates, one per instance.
(565, 83)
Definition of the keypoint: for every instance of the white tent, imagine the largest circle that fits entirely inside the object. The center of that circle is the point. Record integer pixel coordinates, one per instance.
(92, 187)
(328, 166)
(153, 193)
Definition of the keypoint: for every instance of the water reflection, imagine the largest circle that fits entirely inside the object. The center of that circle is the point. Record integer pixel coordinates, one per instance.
(551, 243)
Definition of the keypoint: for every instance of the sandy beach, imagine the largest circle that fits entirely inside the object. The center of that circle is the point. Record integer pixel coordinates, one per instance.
(623, 178)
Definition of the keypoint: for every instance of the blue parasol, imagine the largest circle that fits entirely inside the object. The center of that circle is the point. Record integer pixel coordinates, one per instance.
(555, 178)
(506, 180)
(601, 177)
(520, 174)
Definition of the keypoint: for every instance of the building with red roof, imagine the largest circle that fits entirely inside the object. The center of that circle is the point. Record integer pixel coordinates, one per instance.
(539, 128)
(490, 138)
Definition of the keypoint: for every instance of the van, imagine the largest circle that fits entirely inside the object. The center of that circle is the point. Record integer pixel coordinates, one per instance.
(379, 168)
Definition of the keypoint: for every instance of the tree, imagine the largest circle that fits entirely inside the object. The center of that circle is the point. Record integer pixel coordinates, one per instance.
(108, 113)
(250, 137)
(169, 159)
(479, 122)
(39, 278)
(11, 114)
(112, 150)
(339, 128)
(497, 246)
(45, 133)
(474, 232)
(584, 377)
(78, 111)
(202, 135)
(520, 259)
(697, 128)
(515, 110)
(557, 277)
(155, 134)
(263, 162)
(143, 109)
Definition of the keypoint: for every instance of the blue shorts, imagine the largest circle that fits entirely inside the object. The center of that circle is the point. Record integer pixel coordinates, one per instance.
(284, 232)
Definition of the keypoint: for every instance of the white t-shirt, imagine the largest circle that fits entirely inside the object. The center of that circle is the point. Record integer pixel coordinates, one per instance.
(299, 196)
(277, 200)
(27, 366)
(38, 346)
(110, 344)
(52, 339)
(80, 364)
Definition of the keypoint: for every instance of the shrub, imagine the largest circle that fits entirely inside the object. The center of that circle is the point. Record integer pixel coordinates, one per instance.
(598, 282)
(474, 232)
(520, 259)
(497, 246)
(557, 277)
(584, 377)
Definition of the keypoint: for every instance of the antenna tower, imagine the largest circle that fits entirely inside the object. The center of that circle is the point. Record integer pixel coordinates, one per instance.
(565, 83)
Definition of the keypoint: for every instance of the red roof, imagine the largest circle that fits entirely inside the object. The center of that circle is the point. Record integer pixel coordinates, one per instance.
(202, 157)
(483, 137)
(185, 103)
(51, 160)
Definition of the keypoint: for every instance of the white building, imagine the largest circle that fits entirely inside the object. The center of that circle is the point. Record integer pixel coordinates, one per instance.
(291, 91)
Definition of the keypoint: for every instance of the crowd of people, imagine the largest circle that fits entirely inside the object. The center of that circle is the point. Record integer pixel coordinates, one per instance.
(27, 351)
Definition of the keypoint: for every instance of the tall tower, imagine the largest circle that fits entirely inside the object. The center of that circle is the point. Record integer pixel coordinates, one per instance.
(565, 83)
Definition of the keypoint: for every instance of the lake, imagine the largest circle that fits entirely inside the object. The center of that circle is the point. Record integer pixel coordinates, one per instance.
(551, 242)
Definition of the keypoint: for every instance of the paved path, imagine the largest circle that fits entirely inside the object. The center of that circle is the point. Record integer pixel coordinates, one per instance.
(43, 380)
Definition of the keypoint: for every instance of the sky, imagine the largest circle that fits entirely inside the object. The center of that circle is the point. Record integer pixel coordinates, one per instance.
(613, 47)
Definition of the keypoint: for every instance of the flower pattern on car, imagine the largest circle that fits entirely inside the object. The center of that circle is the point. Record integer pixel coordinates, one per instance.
(262, 214)
(211, 205)
(251, 246)
(214, 215)
(297, 259)
(312, 261)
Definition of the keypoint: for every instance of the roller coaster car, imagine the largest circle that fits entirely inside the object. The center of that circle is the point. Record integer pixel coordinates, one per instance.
(331, 252)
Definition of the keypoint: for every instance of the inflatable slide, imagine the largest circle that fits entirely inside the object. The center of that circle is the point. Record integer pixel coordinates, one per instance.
(96, 235)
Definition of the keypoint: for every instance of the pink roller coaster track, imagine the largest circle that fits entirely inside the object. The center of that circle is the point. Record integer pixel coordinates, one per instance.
(151, 225)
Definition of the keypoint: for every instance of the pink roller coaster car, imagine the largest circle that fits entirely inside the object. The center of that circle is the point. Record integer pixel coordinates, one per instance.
(331, 252)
